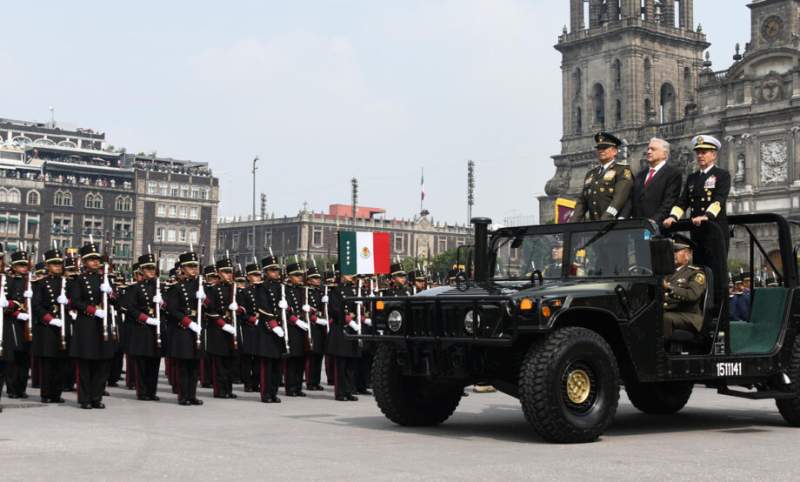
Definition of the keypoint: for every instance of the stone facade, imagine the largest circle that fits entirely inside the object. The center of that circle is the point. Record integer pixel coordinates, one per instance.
(637, 69)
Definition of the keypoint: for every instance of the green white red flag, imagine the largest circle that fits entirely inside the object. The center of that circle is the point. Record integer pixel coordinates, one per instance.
(363, 252)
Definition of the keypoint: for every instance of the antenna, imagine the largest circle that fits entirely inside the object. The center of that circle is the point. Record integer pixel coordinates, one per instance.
(354, 184)
(470, 189)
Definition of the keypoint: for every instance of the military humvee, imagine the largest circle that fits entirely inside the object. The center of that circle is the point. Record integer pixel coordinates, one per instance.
(560, 316)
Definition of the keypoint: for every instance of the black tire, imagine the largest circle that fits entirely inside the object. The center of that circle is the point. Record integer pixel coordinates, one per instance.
(410, 401)
(578, 359)
(790, 407)
(659, 398)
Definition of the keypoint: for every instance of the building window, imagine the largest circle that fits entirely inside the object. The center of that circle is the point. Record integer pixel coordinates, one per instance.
(123, 203)
(182, 235)
(194, 237)
(163, 189)
(123, 229)
(648, 75)
(183, 212)
(398, 243)
(317, 238)
(93, 225)
(122, 249)
(10, 196)
(194, 212)
(34, 198)
(9, 224)
(235, 241)
(578, 81)
(174, 190)
(442, 245)
(184, 190)
(62, 198)
(618, 112)
(617, 71)
(171, 235)
(161, 210)
(173, 211)
(62, 224)
(578, 120)
(267, 239)
(152, 187)
(667, 103)
(159, 234)
(32, 225)
(249, 239)
(204, 194)
(599, 105)
(94, 201)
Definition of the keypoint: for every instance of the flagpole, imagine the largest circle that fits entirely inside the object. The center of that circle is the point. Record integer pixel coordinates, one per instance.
(422, 189)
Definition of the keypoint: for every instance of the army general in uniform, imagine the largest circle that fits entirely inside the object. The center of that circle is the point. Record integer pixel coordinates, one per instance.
(684, 290)
(607, 187)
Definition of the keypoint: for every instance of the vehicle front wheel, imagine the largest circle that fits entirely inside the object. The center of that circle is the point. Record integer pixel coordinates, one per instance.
(790, 407)
(569, 386)
(411, 401)
(659, 398)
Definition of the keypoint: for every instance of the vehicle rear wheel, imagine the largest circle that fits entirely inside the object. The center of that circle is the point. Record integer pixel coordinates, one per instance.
(410, 401)
(659, 398)
(569, 386)
(790, 407)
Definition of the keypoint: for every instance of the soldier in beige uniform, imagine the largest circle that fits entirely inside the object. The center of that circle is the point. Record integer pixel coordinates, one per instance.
(683, 291)
(607, 187)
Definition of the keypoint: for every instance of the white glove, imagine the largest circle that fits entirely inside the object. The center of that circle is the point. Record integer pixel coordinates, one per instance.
(233, 306)
(62, 300)
(302, 325)
(228, 329)
(194, 327)
(157, 299)
(278, 331)
(3, 302)
(56, 322)
(73, 314)
(100, 313)
(322, 322)
(307, 308)
(201, 295)
(368, 321)
(325, 298)
(23, 317)
(282, 304)
(153, 322)
(28, 294)
(105, 288)
(353, 325)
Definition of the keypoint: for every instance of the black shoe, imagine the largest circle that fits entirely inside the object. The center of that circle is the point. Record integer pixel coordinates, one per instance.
(143, 398)
(291, 394)
(275, 400)
(98, 405)
(57, 400)
(12, 395)
(220, 396)
(300, 393)
(46, 400)
(341, 398)
(206, 385)
(113, 384)
(23, 395)
(231, 395)
(364, 392)
(195, 401)
(352, 398)
(69, 389)
(106, 394)
(266, 400)
(86, 406)
(154, 398)
(248, 389)
(185, 403)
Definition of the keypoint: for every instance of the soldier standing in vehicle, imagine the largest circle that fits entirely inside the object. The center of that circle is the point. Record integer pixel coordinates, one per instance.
(684, 291)
(704, 197)
(607, 187)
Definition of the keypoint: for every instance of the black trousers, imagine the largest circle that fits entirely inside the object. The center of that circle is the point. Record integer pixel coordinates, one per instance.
(205, 370)
(115, 372)
(91, 376)
(69, 376)
(345, 375)
(269, 377)
(294, 374)
(3, 366)
(130, 371)
(221, 375)
(51, 376)
(146, 375)
(249, 371)
(186, 378)
(314, 369)
(363, 372)
(36, 372)
(17, 373)
(330, 368)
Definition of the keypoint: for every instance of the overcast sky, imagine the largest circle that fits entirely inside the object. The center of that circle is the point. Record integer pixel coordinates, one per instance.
(321, 90)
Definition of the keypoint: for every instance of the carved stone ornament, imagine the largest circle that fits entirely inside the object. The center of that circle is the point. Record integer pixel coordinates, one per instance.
(771, 90)
(774, 168)
(740, 168)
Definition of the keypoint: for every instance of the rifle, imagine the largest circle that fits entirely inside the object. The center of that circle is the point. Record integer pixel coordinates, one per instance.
(62, 310)
(2, 311)
(233, 314)
(28, 308)
(308, 321)
(105, 303)
(328, 325)
(358, 313)
(158, 305)
(200, 310)
(283, 318)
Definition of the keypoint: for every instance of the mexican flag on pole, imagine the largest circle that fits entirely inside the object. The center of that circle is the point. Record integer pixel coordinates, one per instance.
(363, 252)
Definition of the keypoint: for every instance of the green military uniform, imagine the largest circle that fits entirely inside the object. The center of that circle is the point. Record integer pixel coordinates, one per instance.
(682, 300)
(606, 190)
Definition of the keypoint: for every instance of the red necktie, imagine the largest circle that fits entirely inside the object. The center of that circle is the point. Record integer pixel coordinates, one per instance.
(650, 176)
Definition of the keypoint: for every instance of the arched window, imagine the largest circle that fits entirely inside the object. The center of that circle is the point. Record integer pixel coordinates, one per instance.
(599, 96)
(3, 195)
(67, 144)
(616, 70)
(94, 201)
(14, 196)
(667, 103)
(33, 198)
(577, 80)
(123, 203)
(21, 141)
(648, 74)
(62, 198)
(648, 109)
(618, 112)
(578, 120)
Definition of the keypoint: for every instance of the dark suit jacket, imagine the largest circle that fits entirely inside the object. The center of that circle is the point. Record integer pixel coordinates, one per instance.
(655, 200)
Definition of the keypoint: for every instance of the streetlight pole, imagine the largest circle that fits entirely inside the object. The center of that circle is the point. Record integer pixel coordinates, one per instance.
(255, 159)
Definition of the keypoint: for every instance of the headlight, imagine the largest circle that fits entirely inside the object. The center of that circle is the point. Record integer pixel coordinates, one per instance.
(395, 321)
(470, 321)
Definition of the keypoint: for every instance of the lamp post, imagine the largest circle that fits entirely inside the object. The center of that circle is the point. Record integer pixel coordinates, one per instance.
(255, 159)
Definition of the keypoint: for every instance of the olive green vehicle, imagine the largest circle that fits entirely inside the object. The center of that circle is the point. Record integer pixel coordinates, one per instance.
(562, 316)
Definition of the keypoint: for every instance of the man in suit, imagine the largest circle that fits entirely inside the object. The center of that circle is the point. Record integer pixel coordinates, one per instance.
(704, 197)
(656, 189)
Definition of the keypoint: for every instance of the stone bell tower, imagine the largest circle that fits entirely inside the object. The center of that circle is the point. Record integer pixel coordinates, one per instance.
(630, 67)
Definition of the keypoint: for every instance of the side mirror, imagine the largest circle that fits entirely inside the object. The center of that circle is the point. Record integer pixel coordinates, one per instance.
(662, 256)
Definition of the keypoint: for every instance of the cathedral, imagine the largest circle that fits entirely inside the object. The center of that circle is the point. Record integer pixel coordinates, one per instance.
(639, 69)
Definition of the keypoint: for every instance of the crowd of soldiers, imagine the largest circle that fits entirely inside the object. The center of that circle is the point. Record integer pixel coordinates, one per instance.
(273, 325)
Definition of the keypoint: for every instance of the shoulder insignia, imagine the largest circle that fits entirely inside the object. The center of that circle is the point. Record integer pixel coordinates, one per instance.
(627, 174)
(700, 278)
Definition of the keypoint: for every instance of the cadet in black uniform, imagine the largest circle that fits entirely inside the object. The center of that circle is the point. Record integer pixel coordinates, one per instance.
(330, 365)
(249, 332)
(298, 331)
(184, 331)
(704, 197)
(210, 278)
(49, 311)
(144, 344)
(4, 342)
(92, 343)
(399, 286)
(219, 331)
(364, 370)
(346, 351)
(17, 319)
(272, 342)
(319, 330)
(71, 272)
(607, 187)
